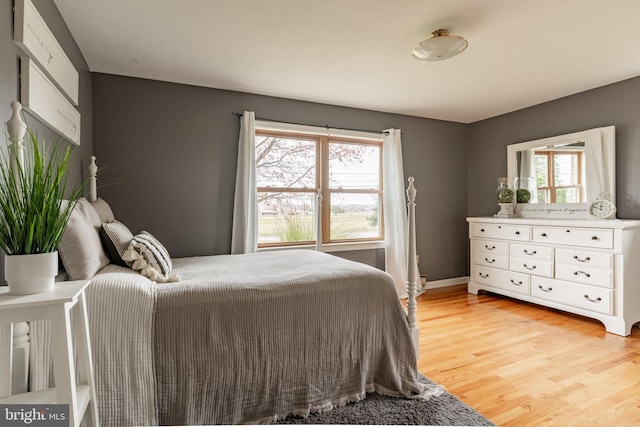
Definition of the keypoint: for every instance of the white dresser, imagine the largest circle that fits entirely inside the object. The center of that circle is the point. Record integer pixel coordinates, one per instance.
(591, 268)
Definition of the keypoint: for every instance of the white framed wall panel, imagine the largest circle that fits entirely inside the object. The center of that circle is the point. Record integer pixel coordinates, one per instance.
(42, 99)
(33, 36)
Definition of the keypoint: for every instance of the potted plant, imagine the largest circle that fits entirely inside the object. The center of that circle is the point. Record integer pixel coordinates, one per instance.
(33, 215)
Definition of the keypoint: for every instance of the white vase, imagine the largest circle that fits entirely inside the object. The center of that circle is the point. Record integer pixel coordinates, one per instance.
(30, 274)
(506, 210)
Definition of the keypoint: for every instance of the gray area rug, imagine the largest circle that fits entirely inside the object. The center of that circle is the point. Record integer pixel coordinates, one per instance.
(444, 410)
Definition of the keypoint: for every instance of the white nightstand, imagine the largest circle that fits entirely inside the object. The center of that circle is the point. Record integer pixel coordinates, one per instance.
(55, 305)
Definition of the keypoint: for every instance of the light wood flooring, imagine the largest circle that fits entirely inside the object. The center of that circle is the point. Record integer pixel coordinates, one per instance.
(520, 364)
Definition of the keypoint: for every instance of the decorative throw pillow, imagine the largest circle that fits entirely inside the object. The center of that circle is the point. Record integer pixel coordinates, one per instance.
(104, 210)
(116, 238)
(147, 255)
(80, 248)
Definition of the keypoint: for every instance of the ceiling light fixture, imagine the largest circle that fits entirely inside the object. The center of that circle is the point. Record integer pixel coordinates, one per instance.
(440, 45)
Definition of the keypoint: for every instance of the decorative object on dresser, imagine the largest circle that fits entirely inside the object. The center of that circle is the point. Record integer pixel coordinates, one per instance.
(525, 187)
(584, 267)
(33, 216)
(602, 207)
(505, 197)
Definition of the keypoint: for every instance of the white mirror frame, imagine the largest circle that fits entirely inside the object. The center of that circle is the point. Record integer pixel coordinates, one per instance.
(568, 210)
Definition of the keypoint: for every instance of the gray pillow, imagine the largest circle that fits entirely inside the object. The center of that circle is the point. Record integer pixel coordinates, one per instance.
(116, 238)
(104, 210)
(80, 248)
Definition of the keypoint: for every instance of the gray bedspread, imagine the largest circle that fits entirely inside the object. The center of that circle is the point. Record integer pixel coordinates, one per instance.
(247, 339)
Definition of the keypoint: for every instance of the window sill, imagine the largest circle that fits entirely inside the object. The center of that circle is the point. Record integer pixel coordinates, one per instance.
(331, 247)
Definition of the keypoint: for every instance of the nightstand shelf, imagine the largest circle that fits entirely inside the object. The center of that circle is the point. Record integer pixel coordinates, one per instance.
(56, 306)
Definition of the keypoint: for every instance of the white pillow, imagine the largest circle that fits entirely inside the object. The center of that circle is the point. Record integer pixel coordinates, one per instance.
(80, 249)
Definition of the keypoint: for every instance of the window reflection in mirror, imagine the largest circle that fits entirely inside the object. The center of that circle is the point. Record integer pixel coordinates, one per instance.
(559, 172)
(559, 176)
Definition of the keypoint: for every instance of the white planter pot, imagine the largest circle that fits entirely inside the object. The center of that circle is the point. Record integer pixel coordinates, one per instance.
(30, 274)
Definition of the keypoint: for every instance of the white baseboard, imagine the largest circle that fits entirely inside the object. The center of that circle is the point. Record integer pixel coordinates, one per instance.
(447, 282)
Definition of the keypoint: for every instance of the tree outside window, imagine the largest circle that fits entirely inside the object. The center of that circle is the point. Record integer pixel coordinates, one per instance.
(292, 169)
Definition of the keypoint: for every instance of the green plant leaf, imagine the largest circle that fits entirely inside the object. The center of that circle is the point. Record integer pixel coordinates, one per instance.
(32, 216)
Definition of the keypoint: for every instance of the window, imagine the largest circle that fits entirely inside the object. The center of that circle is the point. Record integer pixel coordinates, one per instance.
(293, 168)
(559, 176)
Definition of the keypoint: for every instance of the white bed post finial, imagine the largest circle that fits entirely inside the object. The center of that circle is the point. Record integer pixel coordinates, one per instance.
(412, 273)
(16, 128)
(93, 171)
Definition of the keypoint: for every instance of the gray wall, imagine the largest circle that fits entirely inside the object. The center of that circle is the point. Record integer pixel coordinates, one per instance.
(617, 104)
(168, 152)
(168, 155)
(10, 85)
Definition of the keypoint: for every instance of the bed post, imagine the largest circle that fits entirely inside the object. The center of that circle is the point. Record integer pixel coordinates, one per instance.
(19, 357)
(93, 171)
(412, 272)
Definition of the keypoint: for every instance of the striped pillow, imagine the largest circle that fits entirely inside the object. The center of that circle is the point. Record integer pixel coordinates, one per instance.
(148, 256)
(153, 246)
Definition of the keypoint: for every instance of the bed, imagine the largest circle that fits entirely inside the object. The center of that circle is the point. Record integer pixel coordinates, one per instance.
(244, 338)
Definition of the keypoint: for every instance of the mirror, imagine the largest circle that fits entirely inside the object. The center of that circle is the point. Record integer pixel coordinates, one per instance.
(563, 173)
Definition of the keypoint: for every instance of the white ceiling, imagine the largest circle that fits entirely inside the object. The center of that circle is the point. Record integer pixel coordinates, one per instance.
(357, 53)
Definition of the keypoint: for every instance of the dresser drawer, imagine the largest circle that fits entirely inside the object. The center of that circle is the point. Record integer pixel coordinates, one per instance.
(584, 258)
(589, 237)
(531, 266)
(590, 276)
(491, 247)
(492, 260)
(502, 279)
(574, 294)
(500, 231)
(540, 253)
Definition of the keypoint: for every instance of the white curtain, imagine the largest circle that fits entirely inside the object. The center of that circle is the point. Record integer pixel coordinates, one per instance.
(244, 237)
(396, 226)
(598, 179)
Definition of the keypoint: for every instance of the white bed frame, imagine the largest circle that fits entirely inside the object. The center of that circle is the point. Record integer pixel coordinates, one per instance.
(19, 358)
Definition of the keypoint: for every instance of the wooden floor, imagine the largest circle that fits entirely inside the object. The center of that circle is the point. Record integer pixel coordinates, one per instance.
(524, 365)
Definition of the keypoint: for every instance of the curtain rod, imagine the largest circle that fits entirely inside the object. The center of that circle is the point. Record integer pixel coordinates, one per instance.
(238, 115)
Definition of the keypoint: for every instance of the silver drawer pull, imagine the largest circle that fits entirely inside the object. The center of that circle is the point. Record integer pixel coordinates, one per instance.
(545, 290)
(575, 273)
(530, 253)
(490, 248)
(490, 261)
(577, 258)
(595, 238)
(516, 283)
(592, 300)
(533, 267)
(484, 276)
